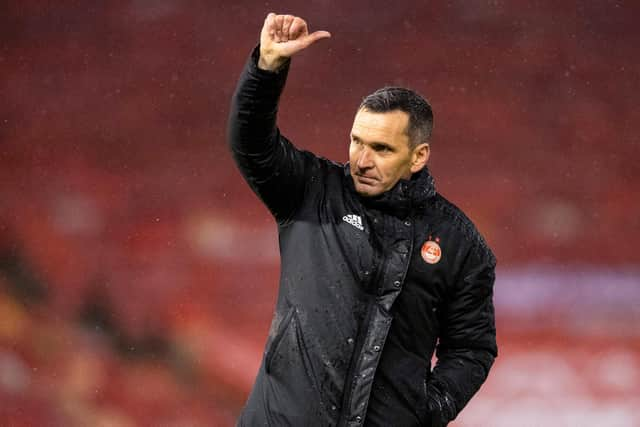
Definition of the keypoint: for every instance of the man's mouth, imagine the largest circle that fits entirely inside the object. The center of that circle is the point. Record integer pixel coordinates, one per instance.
(367, 180)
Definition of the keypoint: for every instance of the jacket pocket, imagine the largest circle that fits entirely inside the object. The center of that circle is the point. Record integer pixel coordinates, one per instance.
(439, 407)
(294, 398)
(281, 332)
(422, 405)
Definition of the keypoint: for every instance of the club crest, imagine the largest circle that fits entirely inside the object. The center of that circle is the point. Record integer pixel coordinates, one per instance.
(431, 252)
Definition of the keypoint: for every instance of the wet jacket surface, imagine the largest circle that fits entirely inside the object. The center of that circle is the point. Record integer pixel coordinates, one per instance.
(362, 304)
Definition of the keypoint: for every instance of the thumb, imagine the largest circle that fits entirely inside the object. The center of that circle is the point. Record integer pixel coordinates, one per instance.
(314, 37)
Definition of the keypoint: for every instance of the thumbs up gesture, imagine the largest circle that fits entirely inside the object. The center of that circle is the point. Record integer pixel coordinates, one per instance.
(283, 36)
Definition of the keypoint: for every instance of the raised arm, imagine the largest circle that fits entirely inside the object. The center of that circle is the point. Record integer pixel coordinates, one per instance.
(272, 166)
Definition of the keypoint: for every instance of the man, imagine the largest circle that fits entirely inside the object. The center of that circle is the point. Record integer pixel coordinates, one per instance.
(376, 267)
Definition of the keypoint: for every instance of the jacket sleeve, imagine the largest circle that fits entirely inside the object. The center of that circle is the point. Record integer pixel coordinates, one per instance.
(271, 165)
(467, 346)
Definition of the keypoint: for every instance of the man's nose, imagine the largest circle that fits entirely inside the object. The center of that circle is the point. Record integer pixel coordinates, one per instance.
(365, 161)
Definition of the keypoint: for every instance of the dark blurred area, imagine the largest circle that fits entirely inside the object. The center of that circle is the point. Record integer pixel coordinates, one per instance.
(138, 272)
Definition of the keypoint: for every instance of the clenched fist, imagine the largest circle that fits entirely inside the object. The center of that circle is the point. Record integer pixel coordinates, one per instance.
(283, 36)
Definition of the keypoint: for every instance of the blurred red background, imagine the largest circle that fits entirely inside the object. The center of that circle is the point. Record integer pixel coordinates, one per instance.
(138, 272)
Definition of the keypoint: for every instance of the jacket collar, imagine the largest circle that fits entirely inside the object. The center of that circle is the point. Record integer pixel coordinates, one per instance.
(405, 196)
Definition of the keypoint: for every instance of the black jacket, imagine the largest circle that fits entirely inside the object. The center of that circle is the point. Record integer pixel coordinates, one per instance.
(361, 305)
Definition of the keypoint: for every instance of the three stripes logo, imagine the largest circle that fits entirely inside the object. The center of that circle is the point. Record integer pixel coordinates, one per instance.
(354, 220)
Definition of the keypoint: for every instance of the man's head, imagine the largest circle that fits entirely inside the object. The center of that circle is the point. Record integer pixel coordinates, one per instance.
(389, 139)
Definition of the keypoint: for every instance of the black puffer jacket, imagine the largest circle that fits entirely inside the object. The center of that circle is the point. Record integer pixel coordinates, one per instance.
(363, 298)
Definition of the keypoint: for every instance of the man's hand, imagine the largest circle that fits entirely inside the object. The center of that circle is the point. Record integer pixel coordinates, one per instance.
(283, 36)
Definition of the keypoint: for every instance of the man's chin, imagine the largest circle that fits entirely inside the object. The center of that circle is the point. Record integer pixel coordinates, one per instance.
(365, 190)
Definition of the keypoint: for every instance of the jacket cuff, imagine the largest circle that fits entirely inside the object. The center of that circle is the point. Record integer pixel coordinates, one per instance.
(439, 405)
(279, 74)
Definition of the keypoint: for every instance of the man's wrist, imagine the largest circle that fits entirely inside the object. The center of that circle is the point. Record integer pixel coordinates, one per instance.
(271, 64)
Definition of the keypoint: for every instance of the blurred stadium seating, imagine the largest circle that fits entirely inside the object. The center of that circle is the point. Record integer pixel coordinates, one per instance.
(138, 272)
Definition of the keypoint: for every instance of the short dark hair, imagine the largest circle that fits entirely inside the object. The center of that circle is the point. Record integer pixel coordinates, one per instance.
(403, 99)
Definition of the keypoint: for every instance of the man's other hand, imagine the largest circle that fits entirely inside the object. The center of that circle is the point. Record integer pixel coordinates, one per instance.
(283, 36)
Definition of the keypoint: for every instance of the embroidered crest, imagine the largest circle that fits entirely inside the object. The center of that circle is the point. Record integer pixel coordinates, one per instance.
(431, 252)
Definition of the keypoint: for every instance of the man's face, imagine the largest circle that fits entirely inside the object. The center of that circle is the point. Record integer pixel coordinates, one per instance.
(379, 154)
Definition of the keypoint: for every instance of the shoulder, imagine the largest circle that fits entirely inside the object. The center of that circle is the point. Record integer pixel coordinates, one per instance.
(322, 176)
(311, 159)
(451, 216)
(322, 168)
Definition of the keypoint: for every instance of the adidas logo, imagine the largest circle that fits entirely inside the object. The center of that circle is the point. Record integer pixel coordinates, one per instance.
(354, 220)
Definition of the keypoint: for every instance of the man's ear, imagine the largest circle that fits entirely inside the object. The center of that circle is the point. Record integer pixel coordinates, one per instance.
(419, 157)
